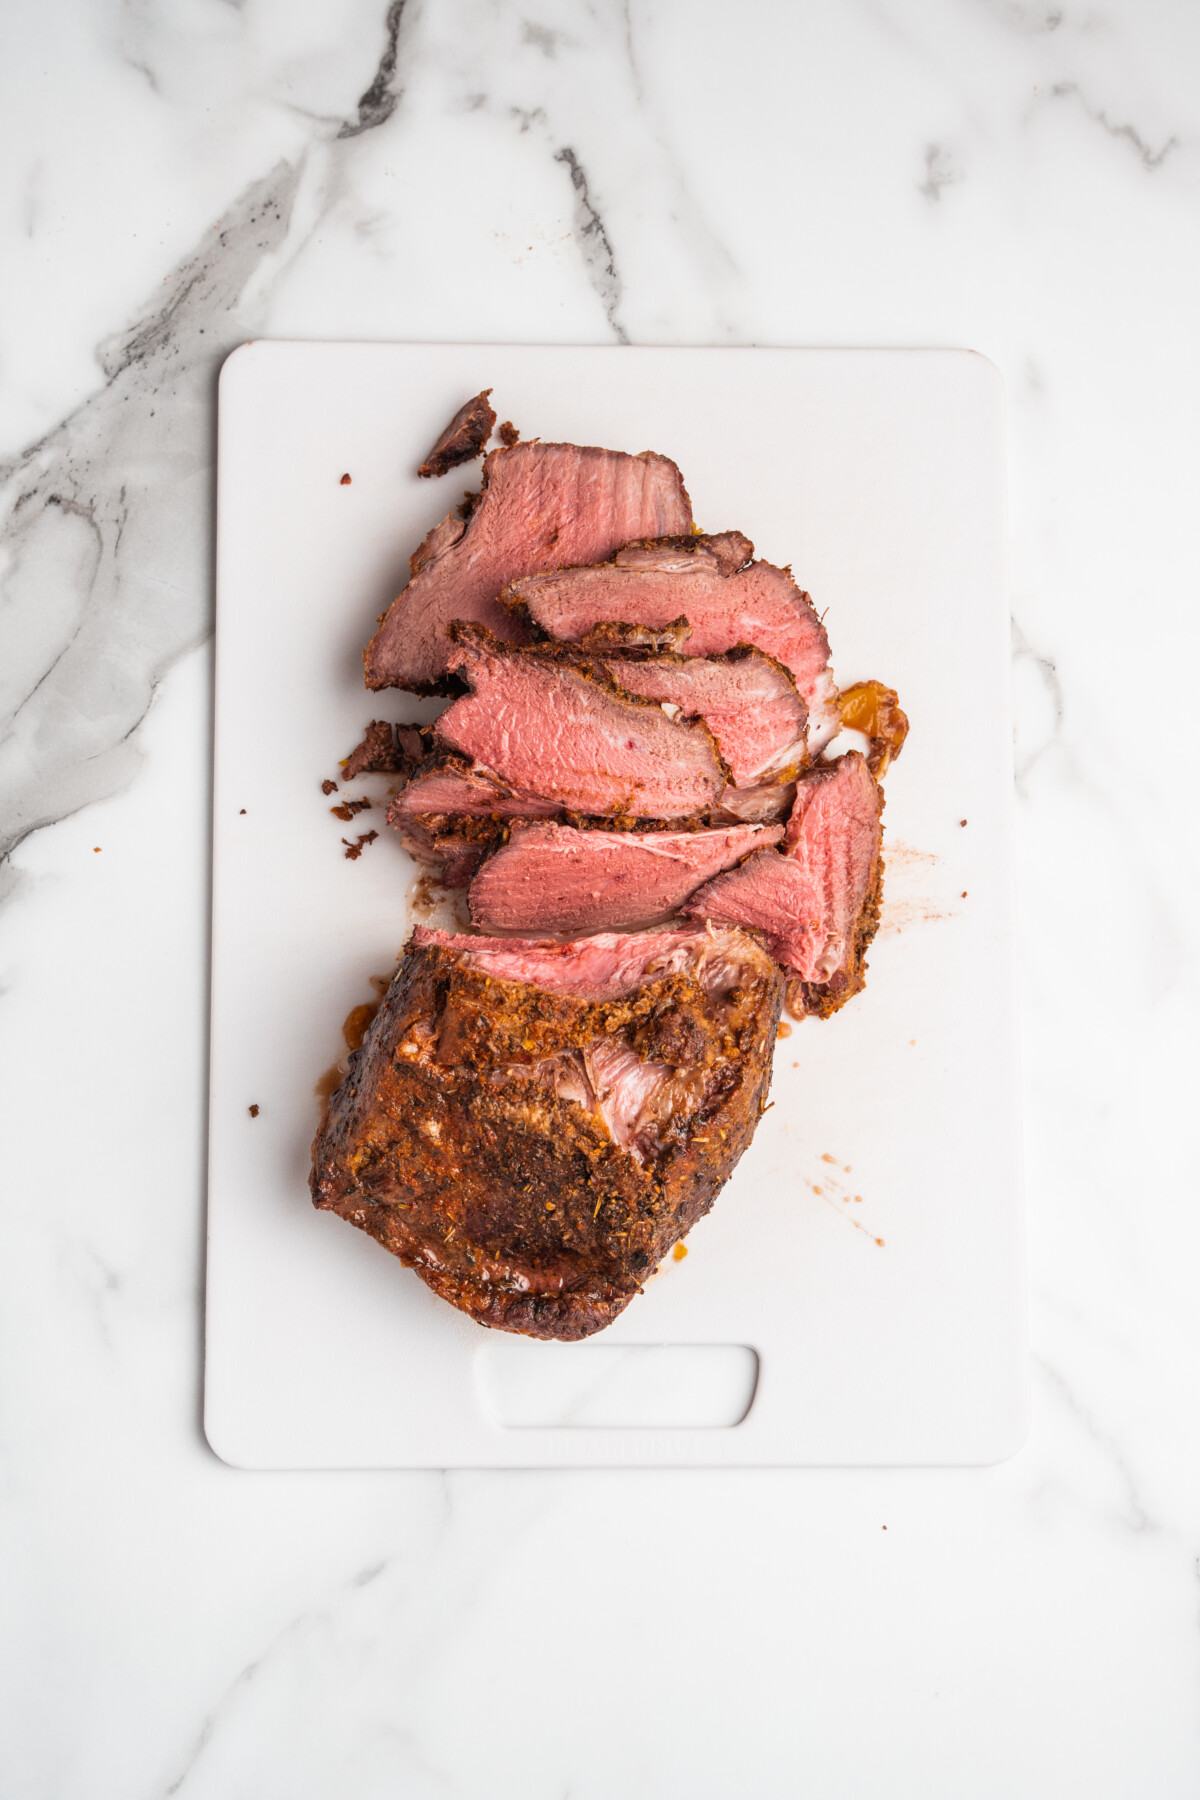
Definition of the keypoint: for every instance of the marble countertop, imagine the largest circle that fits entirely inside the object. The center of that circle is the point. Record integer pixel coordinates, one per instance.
(1009, 175)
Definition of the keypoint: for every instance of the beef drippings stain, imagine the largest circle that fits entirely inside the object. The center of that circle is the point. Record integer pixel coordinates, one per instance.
(328, 1083)
(874, 709)
(839, 1197)
(357, 1023)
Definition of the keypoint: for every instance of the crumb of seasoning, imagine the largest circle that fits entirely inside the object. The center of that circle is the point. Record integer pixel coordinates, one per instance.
(783, 1029)
(346, 811)
(961, 822)
(242, 813)
(885, 1528)
(345, 481)
(95, 849)
(254, 1112)
(329, 787)
(679, 1252)
(825, 1157)
(879, 1241)
(795, 1065)
(354, 851)
(911, 1042)
(964, 893)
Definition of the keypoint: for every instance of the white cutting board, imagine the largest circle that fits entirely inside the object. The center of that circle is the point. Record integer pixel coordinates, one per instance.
(879, 476)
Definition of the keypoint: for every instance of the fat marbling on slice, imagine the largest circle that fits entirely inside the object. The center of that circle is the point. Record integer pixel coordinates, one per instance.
(554, 727)
(817, 899)
(725, 598)
(531, 1127)
(557, 878)
(541, 505)
(748, 701)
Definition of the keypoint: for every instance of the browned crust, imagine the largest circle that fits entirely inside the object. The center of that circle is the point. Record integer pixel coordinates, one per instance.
(611, 636)
(385, 749)
(510, 1202)
(463, 438)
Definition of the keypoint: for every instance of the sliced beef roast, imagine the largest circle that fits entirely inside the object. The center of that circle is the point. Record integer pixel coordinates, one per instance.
(748, 701)
(555, 727)
(542, 505)
(451, 813)
(532, 1127)
(446, 782)
(817, 901)
(701, 580)
(557, 878)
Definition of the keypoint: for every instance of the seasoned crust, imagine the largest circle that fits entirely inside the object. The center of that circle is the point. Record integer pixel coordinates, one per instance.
(385, 749)
(463, 438)
(449, 1145)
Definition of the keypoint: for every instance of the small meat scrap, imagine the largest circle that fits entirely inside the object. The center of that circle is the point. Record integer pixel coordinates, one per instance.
(386, 749)
(874, 710)
(355, 850)
(463, 438)
(509, 435)
(347, 810)
(253, 1111)
(329, 787)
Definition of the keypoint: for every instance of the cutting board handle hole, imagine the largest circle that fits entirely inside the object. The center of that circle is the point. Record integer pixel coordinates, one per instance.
(527, 1386)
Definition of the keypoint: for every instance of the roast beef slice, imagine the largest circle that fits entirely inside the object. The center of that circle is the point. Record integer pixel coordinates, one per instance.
(542, 505)
(725, 604)
(555, 728)
(817, 899)
(748, 701)
(451, 813)
(556, 878)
